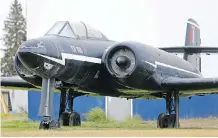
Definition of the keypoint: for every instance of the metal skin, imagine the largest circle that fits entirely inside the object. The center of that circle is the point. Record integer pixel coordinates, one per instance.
(82, 74)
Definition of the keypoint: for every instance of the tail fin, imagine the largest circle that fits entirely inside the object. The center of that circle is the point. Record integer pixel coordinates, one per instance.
(193, 39)
(192, 33)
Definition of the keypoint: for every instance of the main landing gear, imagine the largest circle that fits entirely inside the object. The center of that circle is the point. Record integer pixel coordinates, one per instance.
(70, 118)
(170, 119)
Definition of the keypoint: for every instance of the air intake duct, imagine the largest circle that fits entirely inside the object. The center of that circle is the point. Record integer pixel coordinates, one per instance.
(120, 61)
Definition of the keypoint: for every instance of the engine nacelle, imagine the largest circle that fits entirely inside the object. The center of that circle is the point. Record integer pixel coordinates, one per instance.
(125, 62)
(120, 61)
(25, 74)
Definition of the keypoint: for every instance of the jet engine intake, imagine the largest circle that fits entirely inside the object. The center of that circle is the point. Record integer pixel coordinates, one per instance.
(128, 64)
(120, 61)
(25, 74)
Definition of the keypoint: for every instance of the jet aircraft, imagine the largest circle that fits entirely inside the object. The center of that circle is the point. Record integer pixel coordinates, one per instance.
(76, 59)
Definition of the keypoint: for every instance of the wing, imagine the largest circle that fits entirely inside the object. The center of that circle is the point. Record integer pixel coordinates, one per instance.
(190, 83)
(15, 82)
(190, 49)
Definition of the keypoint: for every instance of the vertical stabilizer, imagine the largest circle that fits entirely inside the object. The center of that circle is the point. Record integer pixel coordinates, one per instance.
(193, 39)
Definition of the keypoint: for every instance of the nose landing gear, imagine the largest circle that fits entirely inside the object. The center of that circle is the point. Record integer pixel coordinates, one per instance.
(46, 105)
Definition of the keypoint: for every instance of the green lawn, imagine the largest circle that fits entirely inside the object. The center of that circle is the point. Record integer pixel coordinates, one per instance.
(25, 125)
(96, 120)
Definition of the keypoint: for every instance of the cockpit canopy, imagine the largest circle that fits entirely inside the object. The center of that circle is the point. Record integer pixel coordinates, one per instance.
(77, 30)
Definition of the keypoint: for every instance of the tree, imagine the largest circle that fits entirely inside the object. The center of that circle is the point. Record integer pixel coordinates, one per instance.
(14, 35)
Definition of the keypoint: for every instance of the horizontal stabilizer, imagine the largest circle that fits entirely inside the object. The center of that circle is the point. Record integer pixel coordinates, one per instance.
(190, 49)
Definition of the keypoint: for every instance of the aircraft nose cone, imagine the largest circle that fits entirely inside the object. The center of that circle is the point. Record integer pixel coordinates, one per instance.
(123, 62)
(27, 53)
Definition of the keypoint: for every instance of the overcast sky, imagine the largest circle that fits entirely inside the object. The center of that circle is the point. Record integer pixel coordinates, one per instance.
(153, 22)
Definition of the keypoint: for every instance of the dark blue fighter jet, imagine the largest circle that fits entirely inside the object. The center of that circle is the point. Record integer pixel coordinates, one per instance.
(77, 59)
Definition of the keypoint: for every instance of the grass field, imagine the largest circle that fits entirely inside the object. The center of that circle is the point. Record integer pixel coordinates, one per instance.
(135, 127)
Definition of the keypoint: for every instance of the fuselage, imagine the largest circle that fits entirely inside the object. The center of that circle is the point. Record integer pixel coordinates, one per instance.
(80, 63)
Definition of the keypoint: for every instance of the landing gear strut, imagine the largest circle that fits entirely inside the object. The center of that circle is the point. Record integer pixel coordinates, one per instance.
(46, 105)
(71, 117)
(170, 119)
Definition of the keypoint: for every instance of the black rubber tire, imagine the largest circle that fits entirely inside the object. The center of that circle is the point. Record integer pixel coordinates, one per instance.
(64, 119)
(51, 125)
(171, 121)
(160, 119)
(74, 119)
(42, 125)
(166, 121)
(54, 124)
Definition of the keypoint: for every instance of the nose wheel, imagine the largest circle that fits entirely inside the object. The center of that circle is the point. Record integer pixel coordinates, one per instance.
(68, 117)
(171, 118)
(51, 124)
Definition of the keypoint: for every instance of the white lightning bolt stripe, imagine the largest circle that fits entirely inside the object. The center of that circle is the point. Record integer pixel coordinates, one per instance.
(65, 56)
(169, 66)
